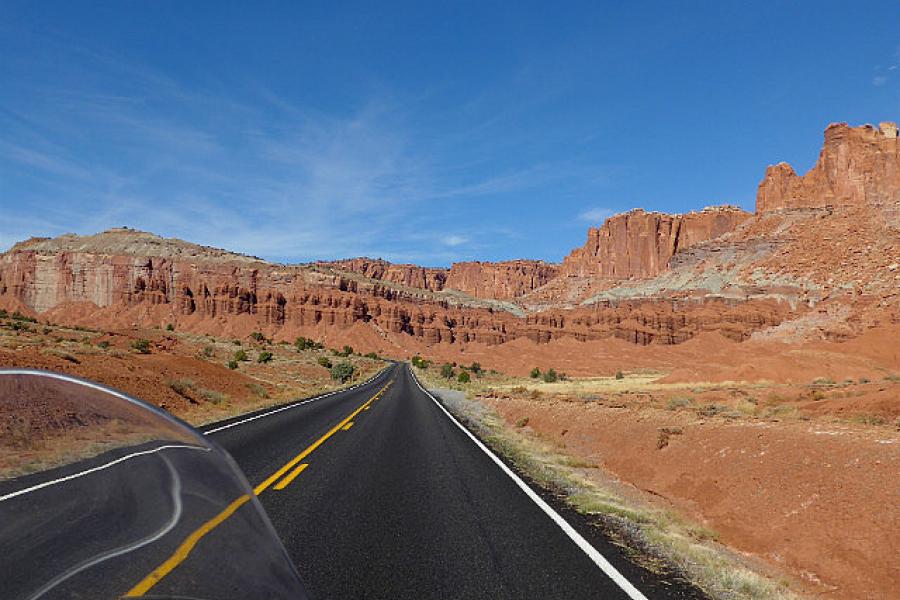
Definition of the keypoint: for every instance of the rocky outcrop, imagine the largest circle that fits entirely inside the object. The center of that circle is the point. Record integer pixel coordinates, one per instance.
(639, 244)
(414, 276)
(857, 166)
(211, 293)
(500, 280)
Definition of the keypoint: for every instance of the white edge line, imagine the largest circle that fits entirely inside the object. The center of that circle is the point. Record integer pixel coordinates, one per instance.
(98, 468)
(293, 405)
(576, 537)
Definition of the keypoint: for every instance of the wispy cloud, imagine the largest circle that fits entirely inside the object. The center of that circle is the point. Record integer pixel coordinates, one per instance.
(596, 215)
(454, 240)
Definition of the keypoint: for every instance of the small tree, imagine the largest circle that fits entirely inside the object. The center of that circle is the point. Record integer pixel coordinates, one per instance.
(347, 351)
(241, 356)
(142, 346)
(550, 376)
(258, 336)
(264, 357)
(170, 327)
(464, 377)
(324, 362)
(620, 375)
(447, 371)
(342, 371)
(301, 344)
(476, 368)
(535, 373)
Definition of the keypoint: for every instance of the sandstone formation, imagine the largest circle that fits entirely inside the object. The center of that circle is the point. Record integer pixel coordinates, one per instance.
(414, 276)
(500, 280)
(857, 166)
(639, 244)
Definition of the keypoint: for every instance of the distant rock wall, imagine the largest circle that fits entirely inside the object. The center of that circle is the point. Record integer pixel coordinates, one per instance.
(425, 278)
(639, 244)
(500, 280)
(857, 166)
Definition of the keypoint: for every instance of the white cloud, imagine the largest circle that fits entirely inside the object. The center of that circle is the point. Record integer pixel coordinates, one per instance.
(596, 215)
(454, 240)
(879, 80)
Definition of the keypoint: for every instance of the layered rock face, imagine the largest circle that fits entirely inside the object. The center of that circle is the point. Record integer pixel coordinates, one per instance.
(501, 280)
(857, 166)
(414, 276)
(639, 244)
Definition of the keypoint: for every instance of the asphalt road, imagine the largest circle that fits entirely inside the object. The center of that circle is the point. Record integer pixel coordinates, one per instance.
(403, 504)
(375, 492)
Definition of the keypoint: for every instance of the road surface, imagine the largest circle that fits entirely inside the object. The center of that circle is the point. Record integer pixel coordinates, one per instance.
(376, 492)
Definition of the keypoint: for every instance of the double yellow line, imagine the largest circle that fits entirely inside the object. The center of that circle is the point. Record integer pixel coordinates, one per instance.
(182, 552)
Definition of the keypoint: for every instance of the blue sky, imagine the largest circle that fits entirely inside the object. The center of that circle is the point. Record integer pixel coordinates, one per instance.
(418, 132)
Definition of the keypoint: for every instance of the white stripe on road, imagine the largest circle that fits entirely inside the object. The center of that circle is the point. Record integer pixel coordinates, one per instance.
(100, 468)
(592, 553)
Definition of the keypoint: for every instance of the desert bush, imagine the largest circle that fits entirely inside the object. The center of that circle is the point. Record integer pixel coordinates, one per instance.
(372, 355)
(265, 357)
(209, 351)
(679, 402)
(324, 362)
(522, 422)
(535, 373)
(232, 364)
(3, 314)
(710, 410)
(258, 336)
(892, 378)
(665, 433)
(550, 376)
(103, 344)
(342, 371)
(170, 327)
(142, 346)
(182, 387)
(620, 375)
(868, 419)
(863, 380)
(241, 356)
(213, 396)
(475, 368)
(17, 316)
(447, 371)
(257, 390)
(464, 377)
(347, 351)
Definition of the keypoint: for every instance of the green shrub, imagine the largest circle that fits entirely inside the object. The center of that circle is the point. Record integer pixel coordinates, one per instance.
(342, 371)
(447, 371)
(324, 361)
(620, 375)
(170, 327)
(265, 357)
(535, 373)
(258, 336)
(3, 314)
(241, 356)
(232, 364)
(209, 351)
(347, 351)
(103, 344)
(142, 346)
(475, 368)
(303, 343)
(372, 355)
(17, 316)
(550, 376)
(464, 377)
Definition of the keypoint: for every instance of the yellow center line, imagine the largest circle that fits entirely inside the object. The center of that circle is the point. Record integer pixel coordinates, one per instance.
(347, 426)
(289, 478)
(188, 544)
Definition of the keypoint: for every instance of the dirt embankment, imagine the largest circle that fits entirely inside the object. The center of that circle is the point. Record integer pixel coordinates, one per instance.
(816, 499)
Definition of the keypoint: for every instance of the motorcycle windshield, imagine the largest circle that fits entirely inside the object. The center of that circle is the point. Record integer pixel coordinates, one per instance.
(104, 496)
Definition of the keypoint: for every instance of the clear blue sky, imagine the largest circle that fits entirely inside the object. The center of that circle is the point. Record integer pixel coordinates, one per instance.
(421, 131)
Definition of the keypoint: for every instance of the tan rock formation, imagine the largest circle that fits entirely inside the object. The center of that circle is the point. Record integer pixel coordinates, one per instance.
(501, 280)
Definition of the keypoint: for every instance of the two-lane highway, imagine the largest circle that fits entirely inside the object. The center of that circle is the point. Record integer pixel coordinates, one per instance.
(377, 493)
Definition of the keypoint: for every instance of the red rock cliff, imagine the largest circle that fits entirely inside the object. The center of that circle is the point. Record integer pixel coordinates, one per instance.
(501, 280)
(857, 166)
(639, 244)
(424, 278)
